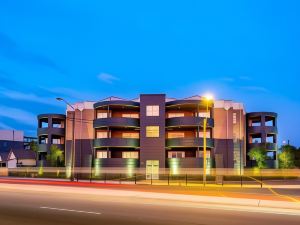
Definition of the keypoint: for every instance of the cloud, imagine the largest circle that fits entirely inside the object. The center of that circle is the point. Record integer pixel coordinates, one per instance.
(5, 126)
(16, 95)
(18, 115)
(255, 89)
(107, 78)
(74, 95)
(11, 50)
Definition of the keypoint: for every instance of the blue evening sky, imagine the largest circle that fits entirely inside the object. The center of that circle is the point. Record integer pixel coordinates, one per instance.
(247, 51)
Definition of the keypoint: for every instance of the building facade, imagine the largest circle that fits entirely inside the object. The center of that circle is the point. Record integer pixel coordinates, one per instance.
(51, 131)
(154, 131)
(262, 132)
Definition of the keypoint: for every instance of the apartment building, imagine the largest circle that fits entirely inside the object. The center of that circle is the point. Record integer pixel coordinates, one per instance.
(156, 131)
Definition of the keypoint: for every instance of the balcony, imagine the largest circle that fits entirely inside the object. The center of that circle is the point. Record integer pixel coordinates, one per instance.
(116, 122)
(188, 122)
(262, 129)
(189, 142)
(268, 146)
(46, 147)
(52, 131)
(117, 142)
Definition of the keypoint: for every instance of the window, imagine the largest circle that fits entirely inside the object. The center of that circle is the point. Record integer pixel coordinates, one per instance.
(102, 154)
(101, 134)
(131, 135)
(152, 131)
(56, 141)
(200, 154)
(130, 115)
(234, 118)
(43, 140)
(130, 155)
(152, 110)
(204, 114)
(176, 154)
(175, 135)
(173, 115)
(201, 134)
(101, 115)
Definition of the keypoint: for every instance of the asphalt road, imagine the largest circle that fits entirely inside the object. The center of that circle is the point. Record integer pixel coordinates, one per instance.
(42, 208)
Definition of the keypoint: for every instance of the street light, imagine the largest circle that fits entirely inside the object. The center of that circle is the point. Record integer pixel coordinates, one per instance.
(73, 140)
(208, 98)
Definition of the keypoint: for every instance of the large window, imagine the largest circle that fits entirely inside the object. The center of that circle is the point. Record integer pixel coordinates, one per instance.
(130, 115)
(56, 141)
(201, 134)
(101, 115)
(152, 110)
(131, 135)
(101, 134)
(152, 131)
(200, 154)
(173, 115)
(176, 154)
(175, 135)
(130, 155)
(204, 114)
(102, 154)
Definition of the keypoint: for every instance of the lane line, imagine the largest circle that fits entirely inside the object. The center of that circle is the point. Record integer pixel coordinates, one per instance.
(70, 210)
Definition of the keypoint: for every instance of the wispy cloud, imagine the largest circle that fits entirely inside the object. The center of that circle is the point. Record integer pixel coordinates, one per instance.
(255, 88)
(17, 95)
(18, 115)
(107, 78)
(5, 126)
(10, 49)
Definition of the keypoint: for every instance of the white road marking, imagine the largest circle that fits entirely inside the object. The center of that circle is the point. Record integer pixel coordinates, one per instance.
(70, 210)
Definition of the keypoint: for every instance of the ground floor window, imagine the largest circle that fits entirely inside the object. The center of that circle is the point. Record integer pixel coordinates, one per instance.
(176, 154)
(200, 154)
(130, 155)
(102, 154)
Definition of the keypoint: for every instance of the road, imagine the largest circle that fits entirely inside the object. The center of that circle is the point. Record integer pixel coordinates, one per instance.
(43, 205)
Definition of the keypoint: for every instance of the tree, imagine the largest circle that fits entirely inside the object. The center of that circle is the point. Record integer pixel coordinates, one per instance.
(34, 147)
(56, 156)
(259, 154)
(287, 157)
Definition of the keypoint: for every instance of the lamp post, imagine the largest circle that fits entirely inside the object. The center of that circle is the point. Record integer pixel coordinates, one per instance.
(208, 98)
(73, 140)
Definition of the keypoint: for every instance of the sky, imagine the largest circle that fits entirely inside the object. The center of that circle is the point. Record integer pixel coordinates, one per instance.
(245, 51)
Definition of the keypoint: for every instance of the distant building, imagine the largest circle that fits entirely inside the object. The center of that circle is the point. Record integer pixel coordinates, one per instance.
(21, 158)
(28, 140)
(11, 139)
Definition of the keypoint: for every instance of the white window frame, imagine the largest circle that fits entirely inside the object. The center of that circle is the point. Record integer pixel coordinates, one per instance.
(152, 110)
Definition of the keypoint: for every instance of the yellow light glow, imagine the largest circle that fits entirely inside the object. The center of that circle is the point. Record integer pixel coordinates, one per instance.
(209, 97)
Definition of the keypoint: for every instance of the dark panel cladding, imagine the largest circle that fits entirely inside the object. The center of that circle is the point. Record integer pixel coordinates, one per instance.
(152, 148)
(83, 152)
(224, 147)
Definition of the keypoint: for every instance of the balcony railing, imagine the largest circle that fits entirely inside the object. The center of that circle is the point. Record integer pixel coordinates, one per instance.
(189, 142)
(117, 142)
(116, 122)
(188, 122)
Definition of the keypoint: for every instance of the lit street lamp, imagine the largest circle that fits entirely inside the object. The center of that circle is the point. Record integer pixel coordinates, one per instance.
(73, 140)
(208, 98)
